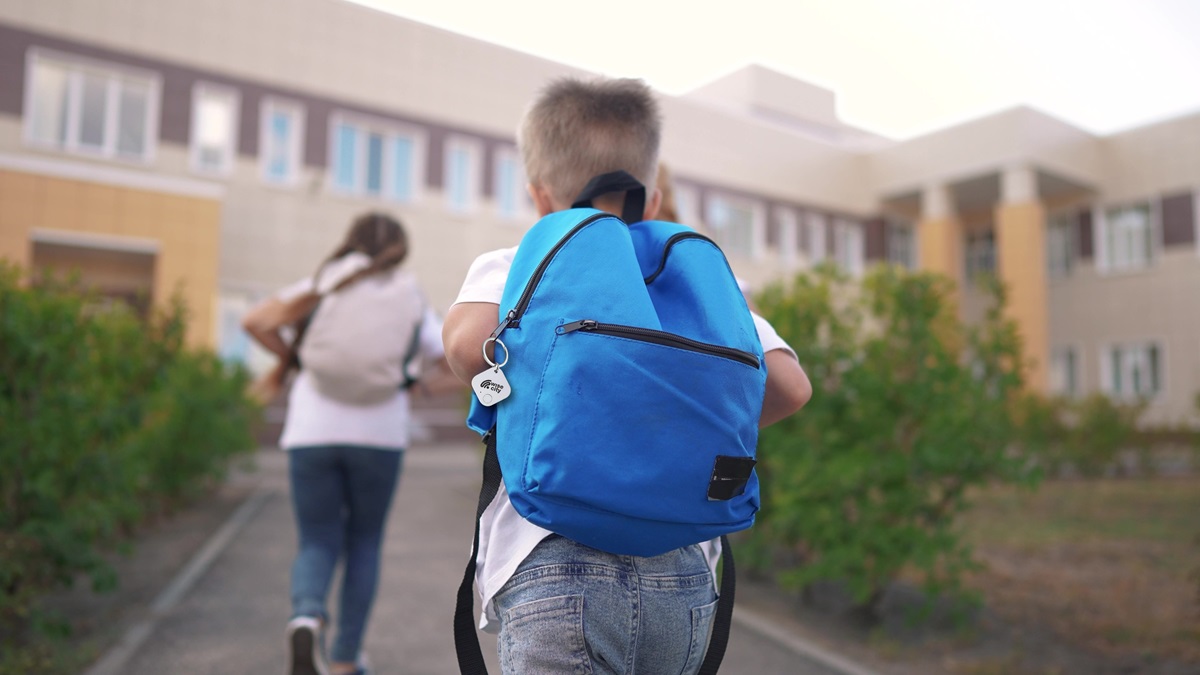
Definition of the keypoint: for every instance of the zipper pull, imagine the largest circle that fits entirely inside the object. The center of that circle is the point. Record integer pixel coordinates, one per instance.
(504, 323)
(583, 324)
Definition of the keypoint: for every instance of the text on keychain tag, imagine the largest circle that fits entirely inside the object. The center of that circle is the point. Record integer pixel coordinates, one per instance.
(491, 386)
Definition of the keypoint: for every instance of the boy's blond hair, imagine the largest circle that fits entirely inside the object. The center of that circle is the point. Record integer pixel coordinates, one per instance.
(577, 130)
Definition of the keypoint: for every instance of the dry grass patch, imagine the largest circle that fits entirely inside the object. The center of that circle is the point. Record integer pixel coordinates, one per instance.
(1102, 564)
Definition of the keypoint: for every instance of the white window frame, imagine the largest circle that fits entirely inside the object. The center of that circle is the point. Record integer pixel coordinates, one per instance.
(230, 145)
(892, 227)
(1104, 257)
(758, 223)
(1196, 220)
(687, 205)
(1063, 221)
(268, 107)
(519, 193)
(789, 238)
(76, 66)
(853, 261)
(1127, 363)
(391, 130)
(230, 308)
(974, 246)
(474, 150)
(817, 226)
(1077, 361)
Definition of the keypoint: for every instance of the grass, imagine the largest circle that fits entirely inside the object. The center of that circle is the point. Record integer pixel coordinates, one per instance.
(1151, 510)
(1104, 563)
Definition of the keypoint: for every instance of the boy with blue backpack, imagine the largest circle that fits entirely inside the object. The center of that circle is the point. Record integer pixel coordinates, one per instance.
(620, 381)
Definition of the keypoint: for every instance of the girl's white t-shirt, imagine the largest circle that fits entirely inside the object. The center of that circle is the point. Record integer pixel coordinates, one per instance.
(505, 538)
(315, 419)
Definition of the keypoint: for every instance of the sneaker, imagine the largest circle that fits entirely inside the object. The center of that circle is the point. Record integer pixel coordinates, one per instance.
(304, 645)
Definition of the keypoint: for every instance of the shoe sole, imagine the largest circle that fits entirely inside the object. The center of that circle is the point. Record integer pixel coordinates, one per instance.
(303, 650)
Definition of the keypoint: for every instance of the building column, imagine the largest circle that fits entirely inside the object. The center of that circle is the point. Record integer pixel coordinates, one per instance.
(939, 234)
(1021, 265)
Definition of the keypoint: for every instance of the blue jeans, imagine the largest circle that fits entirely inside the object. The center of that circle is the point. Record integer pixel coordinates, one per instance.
(341, 495)
(573, 609)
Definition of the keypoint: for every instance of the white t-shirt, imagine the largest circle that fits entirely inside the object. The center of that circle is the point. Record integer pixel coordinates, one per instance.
(505, 538)
(316, 419)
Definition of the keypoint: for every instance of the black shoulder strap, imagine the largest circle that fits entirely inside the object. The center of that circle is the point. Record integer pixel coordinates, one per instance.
(723, 620)
(414, 349)
(616, 181)
(466, 640)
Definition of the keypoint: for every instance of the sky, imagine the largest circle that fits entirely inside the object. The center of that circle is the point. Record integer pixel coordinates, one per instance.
(899, 68)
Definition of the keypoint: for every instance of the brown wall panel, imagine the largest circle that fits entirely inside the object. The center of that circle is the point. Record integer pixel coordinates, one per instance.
(1178, 219)
(1084, 231)
(875, 237)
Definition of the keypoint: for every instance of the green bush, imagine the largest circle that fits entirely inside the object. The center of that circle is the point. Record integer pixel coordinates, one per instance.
(106, 419)
(1086, 435)
(910, 409)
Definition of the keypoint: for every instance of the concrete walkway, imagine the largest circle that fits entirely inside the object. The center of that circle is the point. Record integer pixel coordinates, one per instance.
(224, 614)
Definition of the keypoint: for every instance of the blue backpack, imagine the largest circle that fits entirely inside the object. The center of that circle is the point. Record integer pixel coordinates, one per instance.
(632, 380)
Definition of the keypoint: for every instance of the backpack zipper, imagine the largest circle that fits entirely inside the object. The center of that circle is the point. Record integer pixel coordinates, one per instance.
(671, 241)
(513, 318)
(661, 338)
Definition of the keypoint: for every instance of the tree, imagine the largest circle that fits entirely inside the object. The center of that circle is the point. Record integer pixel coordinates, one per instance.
(911, 408)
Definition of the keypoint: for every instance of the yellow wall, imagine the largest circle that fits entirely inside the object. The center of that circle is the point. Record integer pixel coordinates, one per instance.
(940, 246)
(1021, 265)
(186, 229)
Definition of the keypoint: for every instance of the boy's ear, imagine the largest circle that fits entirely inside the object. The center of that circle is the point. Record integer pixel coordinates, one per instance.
(541, 199)
(653, 203)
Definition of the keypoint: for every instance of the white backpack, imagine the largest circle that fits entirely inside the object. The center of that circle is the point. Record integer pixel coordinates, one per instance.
(361, 343)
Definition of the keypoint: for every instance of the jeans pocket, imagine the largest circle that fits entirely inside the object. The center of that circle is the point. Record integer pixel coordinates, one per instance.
(544, 636)
(702, 617)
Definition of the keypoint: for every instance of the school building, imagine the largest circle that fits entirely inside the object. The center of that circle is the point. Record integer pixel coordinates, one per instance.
(219, 149)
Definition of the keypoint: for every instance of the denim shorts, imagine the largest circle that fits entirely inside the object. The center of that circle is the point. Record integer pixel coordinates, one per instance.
(573, 609)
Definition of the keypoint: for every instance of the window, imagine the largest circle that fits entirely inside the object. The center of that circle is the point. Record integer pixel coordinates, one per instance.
(461, 181)
(901, 245)
(375, 159)
(1060, 245)
(817, 249)
(687, 206)
(508, 184)
(233, 344)
(1064, 372)
(90, 107)
(981, 254)
(1126, 238)
(789, 238)
(849, 246)
(735, 225)
(281, 142)
(214, 128)
(1133, 370)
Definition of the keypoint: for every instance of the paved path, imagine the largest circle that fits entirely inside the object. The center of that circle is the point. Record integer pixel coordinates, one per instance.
(227, 617)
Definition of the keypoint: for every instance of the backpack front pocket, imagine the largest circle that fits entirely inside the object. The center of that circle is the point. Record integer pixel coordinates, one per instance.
(645, 414)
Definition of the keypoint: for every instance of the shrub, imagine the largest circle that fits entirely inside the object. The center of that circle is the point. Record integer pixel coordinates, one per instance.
(105, 416)
(910, 409)
(1086, 435)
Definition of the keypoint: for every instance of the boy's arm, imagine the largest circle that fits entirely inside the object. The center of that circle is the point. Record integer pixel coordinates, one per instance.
(467, 326)
(788, 388)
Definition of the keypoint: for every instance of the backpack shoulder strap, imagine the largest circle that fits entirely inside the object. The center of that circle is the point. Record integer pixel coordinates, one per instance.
(616, 181)
(466, 640)
(411, 354)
